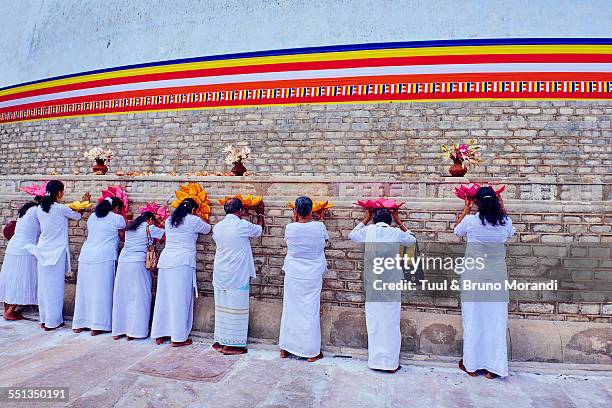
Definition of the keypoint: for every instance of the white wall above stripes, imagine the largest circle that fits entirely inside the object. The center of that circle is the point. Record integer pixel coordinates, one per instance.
(40, 39)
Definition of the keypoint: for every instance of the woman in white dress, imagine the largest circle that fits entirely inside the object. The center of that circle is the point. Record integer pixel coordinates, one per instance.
(93, 306)
(132, 293)
(176, 279)
(18, 280)
(52, 254)
(305, 264)
(383, 318)
(485, 315)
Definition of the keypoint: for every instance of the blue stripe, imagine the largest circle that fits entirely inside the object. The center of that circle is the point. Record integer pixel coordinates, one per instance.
(340, 48)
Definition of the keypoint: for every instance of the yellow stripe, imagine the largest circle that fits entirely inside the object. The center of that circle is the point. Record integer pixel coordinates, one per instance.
(357, 102)
(328, 56)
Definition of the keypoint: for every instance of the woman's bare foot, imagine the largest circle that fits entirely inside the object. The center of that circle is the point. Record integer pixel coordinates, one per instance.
(10, 314)
(470, 373)
(80, 330)
(232, 351)
(284, 353)
(42, 325)
(160, 340)
(120, 336)
(490, 375)
(97, 332)
(217, 347)
(313, 359)
(187, 342)
(130, 338)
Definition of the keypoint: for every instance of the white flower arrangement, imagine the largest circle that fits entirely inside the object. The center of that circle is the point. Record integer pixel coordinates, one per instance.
(235, 154)
(99, 153)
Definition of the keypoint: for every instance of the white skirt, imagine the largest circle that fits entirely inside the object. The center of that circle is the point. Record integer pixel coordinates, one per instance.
(300, 330)
(51, 283)
(384, 335)
(484, 336)
(93, 306)
(173, 312)
(132, 300)
(19, 280)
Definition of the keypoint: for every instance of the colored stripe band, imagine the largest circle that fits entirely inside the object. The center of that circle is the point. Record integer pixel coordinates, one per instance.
(391, 72)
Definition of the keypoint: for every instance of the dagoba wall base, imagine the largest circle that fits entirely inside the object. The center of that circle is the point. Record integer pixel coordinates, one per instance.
(563, 233)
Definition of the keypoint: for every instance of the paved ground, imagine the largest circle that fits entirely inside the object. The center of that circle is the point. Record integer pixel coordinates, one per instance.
(102, 372)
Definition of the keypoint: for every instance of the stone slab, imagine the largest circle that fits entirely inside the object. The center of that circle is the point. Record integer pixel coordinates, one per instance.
(194, 363)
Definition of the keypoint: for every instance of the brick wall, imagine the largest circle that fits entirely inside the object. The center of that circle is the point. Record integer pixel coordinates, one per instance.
(566, 240)
(566, 139)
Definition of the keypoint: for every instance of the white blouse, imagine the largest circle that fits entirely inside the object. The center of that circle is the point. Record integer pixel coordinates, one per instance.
(305, 257)
(234, 266)
(27, 231)
(53, 240)
(381, 232)
(102, 240)
(180, 249)
(471, 227)
(136, 242)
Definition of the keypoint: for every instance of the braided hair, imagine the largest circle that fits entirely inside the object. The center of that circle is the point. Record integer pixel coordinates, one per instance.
(145, 216)
(107, 205)
(489, 208)
(53, 189)
(185, 207)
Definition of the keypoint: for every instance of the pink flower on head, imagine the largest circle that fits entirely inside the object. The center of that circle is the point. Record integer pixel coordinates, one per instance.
(157, 209)
(464, 191)
(120, 193)
(380, 203)
(35, 189)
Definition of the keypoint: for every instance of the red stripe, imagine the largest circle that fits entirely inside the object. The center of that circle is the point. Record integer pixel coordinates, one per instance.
(316, 65)
(339, 98)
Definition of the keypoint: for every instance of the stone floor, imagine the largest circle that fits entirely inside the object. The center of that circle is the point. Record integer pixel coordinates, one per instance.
(102, 372)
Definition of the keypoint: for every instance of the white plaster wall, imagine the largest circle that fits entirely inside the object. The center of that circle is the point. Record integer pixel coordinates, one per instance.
(43, 38)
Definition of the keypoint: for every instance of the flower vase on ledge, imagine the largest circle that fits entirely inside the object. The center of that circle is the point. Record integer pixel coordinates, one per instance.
(457, 169)
(100, 167)
(238, 169)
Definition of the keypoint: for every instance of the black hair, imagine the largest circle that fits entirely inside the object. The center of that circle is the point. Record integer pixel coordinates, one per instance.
(489, 208)
(232, 206)
(303, 206)
(382, 215)
(185, 207)
(54, 187)
(24, 208)
(145, 216)
(105, 206)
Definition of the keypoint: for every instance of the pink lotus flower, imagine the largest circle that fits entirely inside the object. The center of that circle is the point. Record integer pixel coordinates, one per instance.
(380, 203)
(35, 189)
(464, 191)
(120, 193)
(157, 209)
